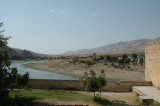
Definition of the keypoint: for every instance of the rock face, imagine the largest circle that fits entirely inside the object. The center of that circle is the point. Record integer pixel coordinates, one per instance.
(135, 45)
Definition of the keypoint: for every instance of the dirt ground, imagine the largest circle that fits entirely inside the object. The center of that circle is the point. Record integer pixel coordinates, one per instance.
(62, 66)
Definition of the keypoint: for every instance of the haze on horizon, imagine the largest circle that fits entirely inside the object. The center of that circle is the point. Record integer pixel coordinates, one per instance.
(57, 26)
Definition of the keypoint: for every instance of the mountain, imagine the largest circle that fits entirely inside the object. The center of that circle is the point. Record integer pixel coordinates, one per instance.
(18, 54)
(33, 53)
(128, 46)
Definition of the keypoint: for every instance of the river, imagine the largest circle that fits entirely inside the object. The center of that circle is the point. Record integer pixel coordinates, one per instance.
(38, 74)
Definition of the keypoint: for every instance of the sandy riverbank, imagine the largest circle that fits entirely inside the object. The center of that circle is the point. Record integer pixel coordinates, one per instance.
(64, 67)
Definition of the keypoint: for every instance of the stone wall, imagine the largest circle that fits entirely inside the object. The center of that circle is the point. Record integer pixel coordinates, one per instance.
(112, 86)
(152, 63)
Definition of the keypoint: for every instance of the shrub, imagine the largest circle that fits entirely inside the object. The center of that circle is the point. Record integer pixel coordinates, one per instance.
(101, 101)
(124, 56)
(112, 64)
(105, 63)
(134, 55)
(122, 66)
(121, 61)
(115, 66)
(93, 83)
(127, 60)
(128, 66)
(107, 57)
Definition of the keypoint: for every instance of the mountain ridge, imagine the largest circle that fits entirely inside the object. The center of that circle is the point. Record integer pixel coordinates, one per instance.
(126, 46)
(18, 54)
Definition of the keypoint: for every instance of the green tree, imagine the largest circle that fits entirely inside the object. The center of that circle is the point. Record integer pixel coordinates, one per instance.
(127, 60)
(9, 77)
(107, 57)
(93, 83)
(120, 61)
(134, 55)
(124, 56)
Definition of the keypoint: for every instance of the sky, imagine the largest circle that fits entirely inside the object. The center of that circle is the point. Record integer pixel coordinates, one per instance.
(57, 26)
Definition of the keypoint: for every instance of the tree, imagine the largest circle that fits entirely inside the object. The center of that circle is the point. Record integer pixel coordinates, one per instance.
(9, 77)
(108, 58)
(127, 60)
(134, 55)
(124, 57)
(93, 83)
(120, 61)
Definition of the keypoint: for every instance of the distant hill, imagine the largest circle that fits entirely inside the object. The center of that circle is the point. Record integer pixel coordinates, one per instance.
(18, 54)
(33, 53)
(128, 46)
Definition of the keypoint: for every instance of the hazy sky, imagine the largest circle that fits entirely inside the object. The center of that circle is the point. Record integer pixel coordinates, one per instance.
(56, 26)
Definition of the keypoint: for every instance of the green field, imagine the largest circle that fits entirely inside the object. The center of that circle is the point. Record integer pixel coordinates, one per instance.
(29, 96)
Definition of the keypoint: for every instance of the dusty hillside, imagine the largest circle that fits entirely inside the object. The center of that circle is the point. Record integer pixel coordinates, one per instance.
(135, 45)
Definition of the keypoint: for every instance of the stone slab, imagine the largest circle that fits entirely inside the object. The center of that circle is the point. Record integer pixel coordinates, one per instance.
(149, 92)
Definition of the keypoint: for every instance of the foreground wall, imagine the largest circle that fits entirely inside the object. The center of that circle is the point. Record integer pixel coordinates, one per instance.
(152, 63)
(112, 86)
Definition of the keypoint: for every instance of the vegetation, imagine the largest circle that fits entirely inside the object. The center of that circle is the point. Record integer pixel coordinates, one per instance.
(93, 83)
(102, 101)
(134, 55)
(30, 96)
(9, 77)
(87, 62)
(120, 61)
(154, 104)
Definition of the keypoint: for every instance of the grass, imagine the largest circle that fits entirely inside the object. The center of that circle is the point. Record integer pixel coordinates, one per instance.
(61, 95)
(101, 101)
(27, 96)
(155, 104)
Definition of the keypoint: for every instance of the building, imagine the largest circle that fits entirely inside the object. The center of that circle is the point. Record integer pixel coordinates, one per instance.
(152, 63)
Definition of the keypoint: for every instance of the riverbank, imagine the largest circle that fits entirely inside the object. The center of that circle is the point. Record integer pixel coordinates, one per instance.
(62, 66)
(38, 74)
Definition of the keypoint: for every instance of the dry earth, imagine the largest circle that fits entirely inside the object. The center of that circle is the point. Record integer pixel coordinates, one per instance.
(62, 66)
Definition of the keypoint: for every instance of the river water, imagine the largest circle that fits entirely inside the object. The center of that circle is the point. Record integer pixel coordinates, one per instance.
(38, 74)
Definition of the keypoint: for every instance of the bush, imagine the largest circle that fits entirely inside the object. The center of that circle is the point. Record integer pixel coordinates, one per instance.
(122, 66)
(128, 66)
(106, 63)
(121, 61)
(112, 64)
(134, 55)
(87, 62)
(100, 57)
(124, 56)
(93, 83)
(115, 66)
(127, 60)
(101, 101)
(107, 57)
